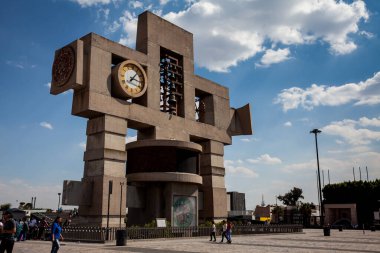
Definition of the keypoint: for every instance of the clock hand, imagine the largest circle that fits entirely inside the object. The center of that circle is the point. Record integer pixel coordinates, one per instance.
(136, 85)
(133, 78)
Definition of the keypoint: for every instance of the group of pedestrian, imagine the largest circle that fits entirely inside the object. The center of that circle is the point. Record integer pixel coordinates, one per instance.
(9, 227)
(226, 231)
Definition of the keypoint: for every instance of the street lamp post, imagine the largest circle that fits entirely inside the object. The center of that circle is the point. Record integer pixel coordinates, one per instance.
(110, 184)
(316, 132)
(59, 200)
(121, 200)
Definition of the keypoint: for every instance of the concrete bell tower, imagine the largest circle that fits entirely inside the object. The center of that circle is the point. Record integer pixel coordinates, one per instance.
(175, 169)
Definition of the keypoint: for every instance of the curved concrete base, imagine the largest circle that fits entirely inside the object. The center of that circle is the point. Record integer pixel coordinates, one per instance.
(164, 177)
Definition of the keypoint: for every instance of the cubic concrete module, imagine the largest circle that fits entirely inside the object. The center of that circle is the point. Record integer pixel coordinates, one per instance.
(175, 168)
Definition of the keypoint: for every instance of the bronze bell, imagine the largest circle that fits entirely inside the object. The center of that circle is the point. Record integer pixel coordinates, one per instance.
(172, 99)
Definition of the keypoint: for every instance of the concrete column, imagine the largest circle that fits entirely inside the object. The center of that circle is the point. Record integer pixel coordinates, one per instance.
(214, 190)
(105, 160)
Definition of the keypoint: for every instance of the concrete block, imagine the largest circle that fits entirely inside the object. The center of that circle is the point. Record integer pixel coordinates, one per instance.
(106, 141)
(189, 101)
(104, 168)
(207, 170)
(101, 153)
(107, 123)
(221, 108)
(100, 71)
(213, 181)
(211, 160)
(213, 147)
(220, 202)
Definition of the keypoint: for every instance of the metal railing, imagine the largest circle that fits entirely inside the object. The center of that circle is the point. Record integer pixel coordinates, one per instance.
(96, 234)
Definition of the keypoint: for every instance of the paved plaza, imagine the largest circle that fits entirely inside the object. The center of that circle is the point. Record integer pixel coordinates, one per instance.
(308, 241)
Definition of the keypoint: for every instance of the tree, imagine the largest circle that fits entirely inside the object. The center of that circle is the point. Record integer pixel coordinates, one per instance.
(291, 198)
(306, 208)
(4, 207)
(365, 194)
(25, 206)
(278, 214)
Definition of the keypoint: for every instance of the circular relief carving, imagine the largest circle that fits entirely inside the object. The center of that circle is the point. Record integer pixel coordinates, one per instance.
(63, 65)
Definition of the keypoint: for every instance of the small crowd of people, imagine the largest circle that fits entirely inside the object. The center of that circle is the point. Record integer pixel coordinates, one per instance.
(226, 231)
(11, 231)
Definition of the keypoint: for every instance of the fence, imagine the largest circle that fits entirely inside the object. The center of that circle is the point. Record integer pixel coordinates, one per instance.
(94, 234)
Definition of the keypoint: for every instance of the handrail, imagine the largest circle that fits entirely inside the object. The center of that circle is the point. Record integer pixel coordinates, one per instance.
(98, 234)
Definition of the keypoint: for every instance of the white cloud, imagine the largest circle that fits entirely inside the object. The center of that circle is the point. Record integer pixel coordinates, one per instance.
(15, 64)
(288, 124)
(89, 3)
(340, 168)
(129, 24)
(48, 85)
(113, 27)
(353, 132)
(163, 2)
(242, 171)
(103, 13)
(82, 145)
(226, 33)
(274, 56)
(13, 191)
(367, 34)
(239, 169)
(312, 165)
(136, 4)
(129, 139)
(46, 125)
(364, 121)
(363, 93)
(265, 159)
(252, 139)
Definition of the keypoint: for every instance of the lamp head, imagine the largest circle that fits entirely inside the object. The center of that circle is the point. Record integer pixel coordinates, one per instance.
(315, 131)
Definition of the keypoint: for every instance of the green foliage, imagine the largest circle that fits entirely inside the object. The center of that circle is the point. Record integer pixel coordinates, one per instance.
(5, 206)
(151, 224)
(207, 223)
(278, 210)
(305, 208)
(365, 194)
(291, 198)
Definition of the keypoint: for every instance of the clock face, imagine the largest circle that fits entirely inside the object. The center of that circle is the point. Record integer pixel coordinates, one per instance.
(130, 80)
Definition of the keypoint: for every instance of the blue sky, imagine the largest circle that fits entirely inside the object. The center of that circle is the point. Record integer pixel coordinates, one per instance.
(301, 64)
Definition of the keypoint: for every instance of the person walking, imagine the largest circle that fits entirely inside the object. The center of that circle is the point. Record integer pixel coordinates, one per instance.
(7, 233)
(213, 231)
(24, 230)
(224, 228)
(229, 231)
(56, 235)
(41, 228)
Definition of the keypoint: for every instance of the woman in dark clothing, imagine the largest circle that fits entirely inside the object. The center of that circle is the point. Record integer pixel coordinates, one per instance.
(7, 233)
(56, 235)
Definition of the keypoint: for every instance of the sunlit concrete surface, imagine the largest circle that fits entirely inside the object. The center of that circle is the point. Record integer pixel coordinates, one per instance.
(308, 241)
